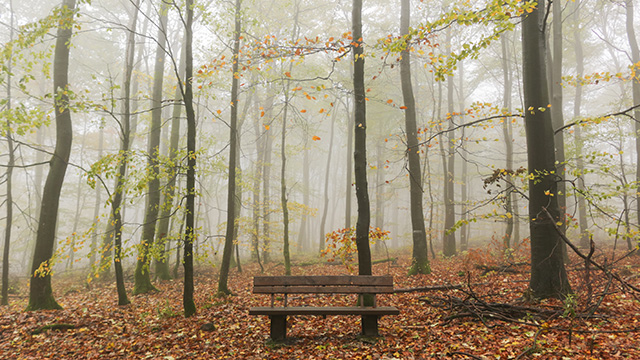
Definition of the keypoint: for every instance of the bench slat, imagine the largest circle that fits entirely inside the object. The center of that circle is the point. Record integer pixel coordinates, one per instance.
(315, 289)
(311, 310)
(340, 280)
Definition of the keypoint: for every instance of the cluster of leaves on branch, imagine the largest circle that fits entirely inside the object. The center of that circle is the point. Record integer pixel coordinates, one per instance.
(497, 16)
(341, 243)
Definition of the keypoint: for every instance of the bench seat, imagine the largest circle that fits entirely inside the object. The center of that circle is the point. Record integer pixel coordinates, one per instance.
(324, 310)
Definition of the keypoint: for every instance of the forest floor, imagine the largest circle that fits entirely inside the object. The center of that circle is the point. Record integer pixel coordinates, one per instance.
(485, 318)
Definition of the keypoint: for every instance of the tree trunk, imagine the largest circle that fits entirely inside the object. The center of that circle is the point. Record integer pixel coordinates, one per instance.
(464, 191)
(635, 59)
(360, 145)
(266, 186)
(508, 140)
(40, 292)
(349, 176)
(557, 116)
(10, 164)
(223, 288)
(449, 245)
(420, 257)
(325, 207)
(189, 235)
(96, 208)
(142, 277)
(577, 104)
(162, 259)
(548, 274)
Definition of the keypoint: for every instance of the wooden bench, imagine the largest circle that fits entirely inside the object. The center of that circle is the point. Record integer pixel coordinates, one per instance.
(345, 284)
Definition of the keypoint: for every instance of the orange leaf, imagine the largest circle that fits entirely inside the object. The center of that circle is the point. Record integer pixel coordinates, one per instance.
(287, 74)
(303, 111)
(261, 113)
(402, 107)
(219, 111)
(315, 138)
(389, 101)
(266, 127)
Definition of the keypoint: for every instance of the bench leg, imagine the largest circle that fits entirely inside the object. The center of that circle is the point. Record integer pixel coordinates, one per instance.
(278, 327)
(370, 325)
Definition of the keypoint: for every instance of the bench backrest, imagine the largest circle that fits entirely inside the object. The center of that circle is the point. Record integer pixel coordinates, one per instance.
(341, 284)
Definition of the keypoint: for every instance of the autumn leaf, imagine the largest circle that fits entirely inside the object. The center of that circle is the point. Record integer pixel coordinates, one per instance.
(315, 138)
(287, 74)
(266, 127)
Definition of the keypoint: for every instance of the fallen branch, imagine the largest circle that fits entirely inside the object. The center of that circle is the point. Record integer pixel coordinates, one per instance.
(575, 249)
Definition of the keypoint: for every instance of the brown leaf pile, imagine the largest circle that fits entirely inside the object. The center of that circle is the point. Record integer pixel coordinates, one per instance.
(153, 326)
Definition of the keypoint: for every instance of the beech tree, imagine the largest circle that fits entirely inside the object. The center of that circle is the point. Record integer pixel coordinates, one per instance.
(548, 274)
(420, 260)
(40, 292)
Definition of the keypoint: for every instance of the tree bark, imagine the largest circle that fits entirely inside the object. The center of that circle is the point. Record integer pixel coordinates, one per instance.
(162, 259)
(548, 274)
(360, 145)
(449, 245)
(635, 59)
(189, 235)
(10, 164)
(40, 292)
(419, 258)
(325, 207)
(583, 221)
(508, 140)
(223, 288)
(142, 277)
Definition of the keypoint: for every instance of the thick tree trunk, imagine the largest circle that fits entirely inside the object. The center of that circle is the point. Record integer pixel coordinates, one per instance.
(142, 277)
(548, 275)
(420, 257)
(40, 292)
(223, 288)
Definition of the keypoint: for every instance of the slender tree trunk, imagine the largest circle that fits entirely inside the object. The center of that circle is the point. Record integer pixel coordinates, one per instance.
(162, 260)
(40, 292)
(349, 176)
(142, 277)
(325, 207)
(577, 104)
(223, 288)
(420, 257)
(360, 145)
(548, 274)
(283, 156)
(508, 139)
(190, 235)
(449, 245)
(556, 112)
(10, 164)
(266, 186)
(464, 191)
(635, 59)
(303, 234)
(125, 143)
(96, 208)
(260, 141)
